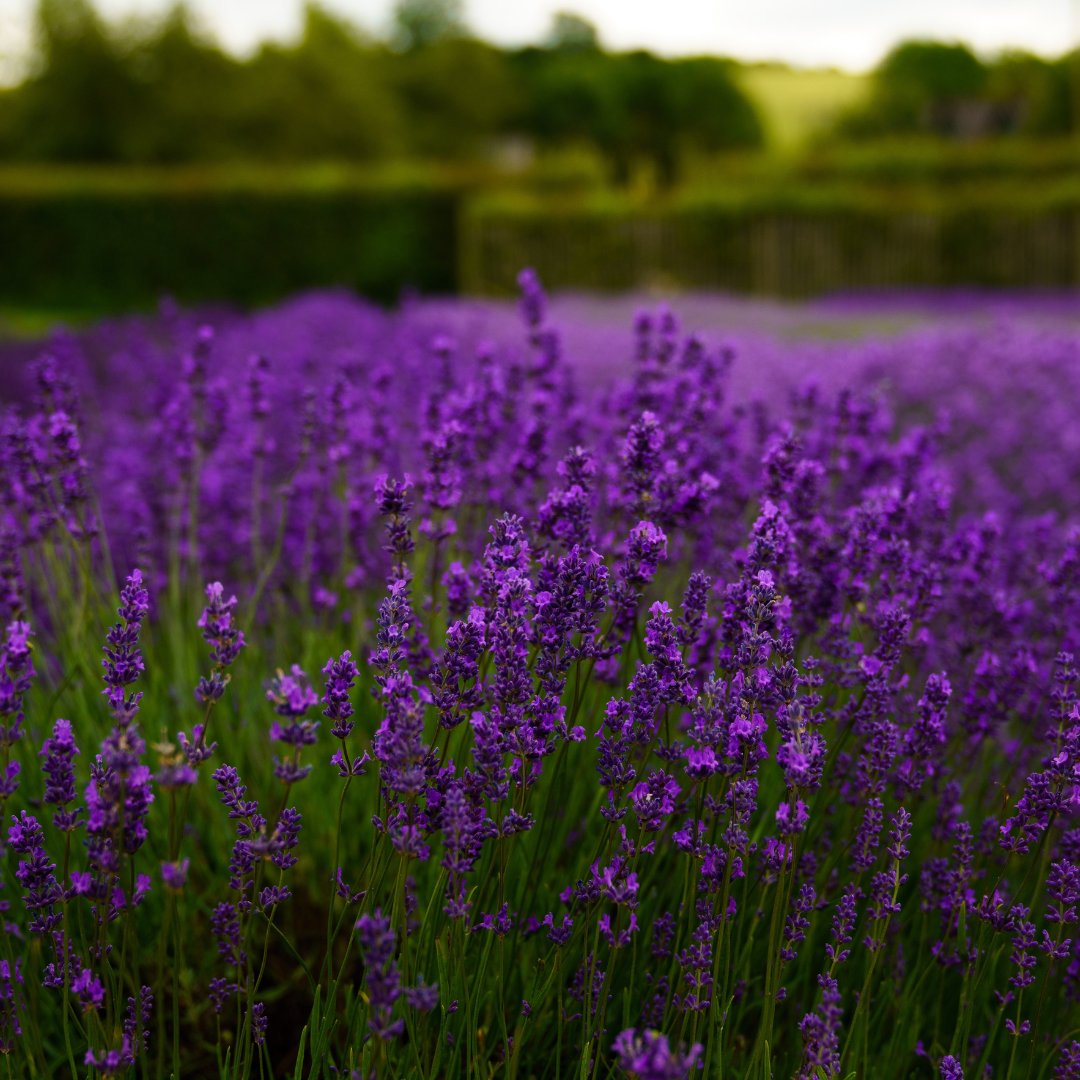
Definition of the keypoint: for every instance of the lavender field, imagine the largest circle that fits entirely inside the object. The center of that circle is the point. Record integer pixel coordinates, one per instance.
(553, 691)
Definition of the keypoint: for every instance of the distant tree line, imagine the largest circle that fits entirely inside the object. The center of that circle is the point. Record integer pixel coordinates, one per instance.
(944, 89)
(163, 93)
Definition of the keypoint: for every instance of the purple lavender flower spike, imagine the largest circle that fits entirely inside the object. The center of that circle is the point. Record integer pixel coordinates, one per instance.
(1068, 1064)
(123, 661)
(950, 1068)
(16, 674)
(377, 943)
(292, 696)
(649, 1056)
(59, 751)
(175, 874)
(12, 1004)
(225, 639)
(340, 675)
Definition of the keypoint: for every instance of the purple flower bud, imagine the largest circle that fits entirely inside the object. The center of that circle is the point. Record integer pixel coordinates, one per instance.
(649, 1056)
(175, 874)
(340, 674)
(59, 751)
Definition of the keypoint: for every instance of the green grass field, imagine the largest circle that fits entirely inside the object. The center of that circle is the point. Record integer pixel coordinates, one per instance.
(796, 104)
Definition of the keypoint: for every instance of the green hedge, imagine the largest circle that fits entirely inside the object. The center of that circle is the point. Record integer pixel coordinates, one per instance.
(112, 243)
(110, 248)
(936, 161)
(787, 243)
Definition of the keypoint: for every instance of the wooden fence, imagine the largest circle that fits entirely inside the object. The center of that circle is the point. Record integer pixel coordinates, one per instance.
(781, 253)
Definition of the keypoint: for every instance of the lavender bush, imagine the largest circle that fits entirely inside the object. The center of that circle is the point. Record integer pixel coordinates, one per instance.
(383, 698)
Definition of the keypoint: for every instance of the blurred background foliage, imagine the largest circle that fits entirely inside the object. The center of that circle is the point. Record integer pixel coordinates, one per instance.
(358, 156)
(162, 92)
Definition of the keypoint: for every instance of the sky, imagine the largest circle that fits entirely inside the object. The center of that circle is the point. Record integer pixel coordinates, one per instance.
(851, 34)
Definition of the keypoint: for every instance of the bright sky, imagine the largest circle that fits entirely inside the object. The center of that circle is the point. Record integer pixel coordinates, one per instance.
(847, 33)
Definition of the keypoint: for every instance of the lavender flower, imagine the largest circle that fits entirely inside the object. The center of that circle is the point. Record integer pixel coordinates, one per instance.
(16, 674)
(59, 751)
(950, 1068)
(649, 1056)
(377, 942)
(224, 638)
(12, 1004)
(292, 696)
(123, 661)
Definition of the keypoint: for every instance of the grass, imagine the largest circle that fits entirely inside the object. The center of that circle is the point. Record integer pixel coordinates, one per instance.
(798, 104)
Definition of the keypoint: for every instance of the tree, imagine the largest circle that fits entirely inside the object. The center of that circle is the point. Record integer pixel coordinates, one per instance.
(572, 33)
(456, 95)
(418, 23)
(188, 89)
(1040, 89)
(915, 82)
(82, 96)
(713, 112)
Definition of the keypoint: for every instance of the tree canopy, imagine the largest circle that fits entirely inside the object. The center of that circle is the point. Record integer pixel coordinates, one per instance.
(165, 93)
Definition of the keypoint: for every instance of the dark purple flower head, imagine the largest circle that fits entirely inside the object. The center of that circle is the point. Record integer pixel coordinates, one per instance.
(950, 1068)
(111, 1062)
(899, 835)
(500, 923)
(1068, 1064)
(694, 604)
(36, 873)
(88, 990)
(843, 925)
(398, 743)
(649, 1056)
(422, 997)
(394, 504)
(11, 1004)
(120, 792)
(12, 587)
(382, 980)
(195, 751)
(533, 301)
(654, 800)
(259, 1023)
(340, 674)
(123, 661)
(641, 464)
(59, 751)
(1063, 887)
(465, 828)
(292, 696)
(137, 1021)
(291, 693)
(820, 1032)
(219, 629)
(441, 480)
(175, 874)
(16, 674)
(459, 590)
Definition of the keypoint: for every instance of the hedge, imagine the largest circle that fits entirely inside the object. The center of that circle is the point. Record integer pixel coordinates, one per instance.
(785, 243)
(114, 248)
(111, 246)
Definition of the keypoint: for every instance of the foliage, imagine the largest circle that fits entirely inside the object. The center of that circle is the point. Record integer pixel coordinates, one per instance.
(420, 23)
(248, 237)
(929, 86)
(572, 32)
(244, 238)
(163, 93)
